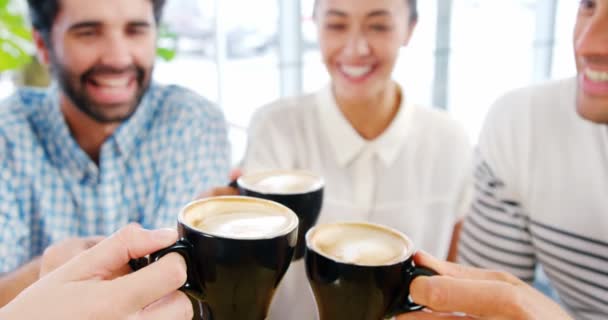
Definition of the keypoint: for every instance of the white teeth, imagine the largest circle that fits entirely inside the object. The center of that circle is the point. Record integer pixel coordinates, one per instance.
(112, 82)
(355, 71)
(598, 76)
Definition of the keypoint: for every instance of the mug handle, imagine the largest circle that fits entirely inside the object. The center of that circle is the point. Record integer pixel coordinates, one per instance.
(409, 305)
(183, 247)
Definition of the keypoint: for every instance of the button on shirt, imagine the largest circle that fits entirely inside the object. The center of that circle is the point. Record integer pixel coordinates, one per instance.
(415, 177)
(174, 146)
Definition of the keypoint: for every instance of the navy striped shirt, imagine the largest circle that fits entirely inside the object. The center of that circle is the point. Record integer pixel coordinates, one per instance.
(541, 196)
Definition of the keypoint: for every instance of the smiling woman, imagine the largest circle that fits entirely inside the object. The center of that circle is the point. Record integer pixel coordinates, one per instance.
(366, 138)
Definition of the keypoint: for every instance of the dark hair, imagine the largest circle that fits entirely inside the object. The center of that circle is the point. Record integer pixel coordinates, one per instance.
(413, 5)
(413, 10)
(44, 12)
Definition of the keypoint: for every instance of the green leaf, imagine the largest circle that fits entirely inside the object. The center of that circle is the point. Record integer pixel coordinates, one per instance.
(12, 19)
(22, 32)
(8, 62)
(11, 55)
(165, 54)
(3, 5)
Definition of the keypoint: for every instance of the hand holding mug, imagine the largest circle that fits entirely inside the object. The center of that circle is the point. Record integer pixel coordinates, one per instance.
(237, 250)
(360, 271)
(58, 254)
(84, 288)
(480, 294)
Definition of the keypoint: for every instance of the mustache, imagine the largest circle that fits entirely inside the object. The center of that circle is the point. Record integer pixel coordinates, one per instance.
(96, 70)
(596, 59)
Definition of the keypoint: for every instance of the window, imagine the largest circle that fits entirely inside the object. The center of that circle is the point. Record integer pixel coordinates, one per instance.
(227, 52)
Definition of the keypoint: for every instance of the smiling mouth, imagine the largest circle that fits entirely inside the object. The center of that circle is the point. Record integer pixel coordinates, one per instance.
(121, 82)
(356, 72)
(596, 76)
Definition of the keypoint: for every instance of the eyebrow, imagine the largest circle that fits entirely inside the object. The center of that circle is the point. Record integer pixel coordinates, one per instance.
(96, 24)
(139, 24)
(375, 13)
(84, 25)
(378, 13)
(334, 12)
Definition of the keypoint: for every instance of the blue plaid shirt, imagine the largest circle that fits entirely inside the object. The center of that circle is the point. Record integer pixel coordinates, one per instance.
(172, 148)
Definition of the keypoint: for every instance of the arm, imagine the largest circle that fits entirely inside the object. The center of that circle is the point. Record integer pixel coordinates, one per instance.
(74, 290)
(11, 284)
(54, 256)
(16, 271)
(479, 294)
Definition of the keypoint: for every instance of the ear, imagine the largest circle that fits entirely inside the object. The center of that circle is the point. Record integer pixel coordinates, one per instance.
(410, 32)
(42, 50)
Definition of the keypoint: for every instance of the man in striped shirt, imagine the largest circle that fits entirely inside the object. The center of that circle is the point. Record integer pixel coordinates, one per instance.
(542, 179)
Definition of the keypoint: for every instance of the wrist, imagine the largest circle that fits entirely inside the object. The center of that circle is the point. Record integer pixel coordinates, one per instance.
(5, 314)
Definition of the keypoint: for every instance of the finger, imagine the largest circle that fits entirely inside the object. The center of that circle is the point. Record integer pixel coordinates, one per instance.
(114, 253)
(90, 242)
(176, 306)
(481, 298)
(64, 251)
(429, 315)
(463, 272)
(143, 287)
(235, 174)
(220, 191)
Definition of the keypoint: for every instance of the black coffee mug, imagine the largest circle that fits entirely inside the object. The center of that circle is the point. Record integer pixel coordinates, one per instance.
(237, 250)
(355, 275)
(305, 199)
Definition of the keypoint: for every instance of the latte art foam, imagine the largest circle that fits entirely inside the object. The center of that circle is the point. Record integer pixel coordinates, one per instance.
(238, 217)
(242, 224)
(359, 244)
(282, 182)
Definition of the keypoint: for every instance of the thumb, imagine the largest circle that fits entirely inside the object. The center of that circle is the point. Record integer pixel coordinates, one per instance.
(235, 174)
(481, 298)
(115, 252)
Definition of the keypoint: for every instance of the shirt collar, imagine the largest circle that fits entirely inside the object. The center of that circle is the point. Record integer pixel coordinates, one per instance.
(130, 132)
(64, 149)
(347, 142)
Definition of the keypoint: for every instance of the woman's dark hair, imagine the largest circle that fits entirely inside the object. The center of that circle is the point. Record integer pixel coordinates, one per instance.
(44, 12)
(413, 5)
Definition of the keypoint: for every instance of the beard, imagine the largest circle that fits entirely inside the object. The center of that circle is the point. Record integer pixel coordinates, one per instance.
(74, 85)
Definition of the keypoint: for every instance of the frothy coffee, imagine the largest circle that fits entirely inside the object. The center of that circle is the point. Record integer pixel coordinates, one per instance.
(282, 182)
(359, 244)
(240, 218)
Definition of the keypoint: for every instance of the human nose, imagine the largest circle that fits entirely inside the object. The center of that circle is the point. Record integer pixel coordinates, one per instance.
(117, 52)
(593, 38)
(357, 45)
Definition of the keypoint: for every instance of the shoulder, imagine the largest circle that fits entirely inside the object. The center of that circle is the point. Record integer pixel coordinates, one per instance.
(16, 112)
(517, 108)
(16, 109)
(177, 103)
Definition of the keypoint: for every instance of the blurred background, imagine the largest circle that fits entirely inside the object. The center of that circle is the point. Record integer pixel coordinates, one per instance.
(243, 54)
